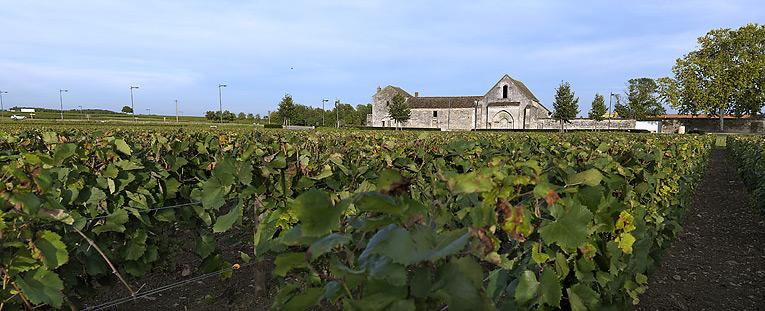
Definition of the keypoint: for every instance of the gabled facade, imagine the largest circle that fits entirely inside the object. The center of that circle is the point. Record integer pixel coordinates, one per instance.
(509, 104)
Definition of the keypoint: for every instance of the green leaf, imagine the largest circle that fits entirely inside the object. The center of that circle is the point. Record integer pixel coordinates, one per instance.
(550, 289)
(286, 262)
(591, 177)
(581, 297)
(122, 146)
(304, 301)
(114, 222)
(461, 281)
(471, 182)
(527, 287)
(316, 213)
(136, 245)
(421, 282)
(51, 248)
(569, 230)
(223, 223)
(326, 244)
(42, 287)
(205, 245)
(537, 255)
(212, 194)
(63, 152)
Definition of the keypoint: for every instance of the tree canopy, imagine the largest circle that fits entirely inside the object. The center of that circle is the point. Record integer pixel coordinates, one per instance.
(127, 109)
(642, 100)
(398, 109)
(598, 110)
(724, 75)
(286, 109)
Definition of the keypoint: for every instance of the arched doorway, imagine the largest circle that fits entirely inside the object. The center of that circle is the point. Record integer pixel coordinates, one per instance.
(502, 120)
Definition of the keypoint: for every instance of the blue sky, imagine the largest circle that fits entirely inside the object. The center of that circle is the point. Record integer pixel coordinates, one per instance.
(337, 49)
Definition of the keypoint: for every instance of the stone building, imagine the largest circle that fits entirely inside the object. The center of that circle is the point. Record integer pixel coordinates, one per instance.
(509, 104)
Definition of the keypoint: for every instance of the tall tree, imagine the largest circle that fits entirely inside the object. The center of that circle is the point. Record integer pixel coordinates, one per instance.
(724, 75)
(399, 110)
(127, 109)
(286, 109)
(642, 100)
(566, 105)
(598, 110)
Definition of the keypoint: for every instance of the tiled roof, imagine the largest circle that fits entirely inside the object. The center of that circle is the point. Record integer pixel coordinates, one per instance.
(443, 102)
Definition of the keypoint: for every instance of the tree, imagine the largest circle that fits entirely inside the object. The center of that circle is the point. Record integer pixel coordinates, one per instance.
(127, 109)
(598, 109)
(250, 116)
(642, 100)
(212, 115)
(724, 75)
(398, 109)
(241, 116)
(566, 105)
(286, 109)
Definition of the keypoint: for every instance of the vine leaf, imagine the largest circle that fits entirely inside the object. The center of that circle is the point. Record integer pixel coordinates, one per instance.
(591, 177)
(326, 244)
(52, 250)
(205, 245)
(582, 297)
(286, 262)
(42, 286)
(316, 213)
(122, 146)
(527, 287)
(223, 223)
(304, 301)
(550, 289)
(569, 230)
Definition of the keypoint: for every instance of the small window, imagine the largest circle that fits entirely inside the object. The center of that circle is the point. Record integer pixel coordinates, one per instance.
(383, 124)
(504, 91)
(435, 113)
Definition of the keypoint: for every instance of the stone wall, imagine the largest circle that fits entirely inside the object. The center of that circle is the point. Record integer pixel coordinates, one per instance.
(586, 124)
(446, 119)
(713, 125)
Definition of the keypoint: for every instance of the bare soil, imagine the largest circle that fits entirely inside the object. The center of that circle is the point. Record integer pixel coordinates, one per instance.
(718, 260)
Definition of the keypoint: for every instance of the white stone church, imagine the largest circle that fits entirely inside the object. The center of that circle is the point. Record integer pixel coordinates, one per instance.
(509, 104)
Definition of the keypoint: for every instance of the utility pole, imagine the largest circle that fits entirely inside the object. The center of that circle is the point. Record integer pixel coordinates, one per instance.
(61, 102)
(132, 107)
(475, 115)
(2, 110)
(220, 101)
(322, 110)
(81, 114)
(337, 113)
(176, 111)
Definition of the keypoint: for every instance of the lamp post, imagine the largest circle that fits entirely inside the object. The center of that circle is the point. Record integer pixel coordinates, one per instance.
(176, 111)
(220, 100)
(475, 115)
(2, 110)
(132, 106)
(61, 102)
(609, 109)
(322, 110)
(148, 111)
(80, 107)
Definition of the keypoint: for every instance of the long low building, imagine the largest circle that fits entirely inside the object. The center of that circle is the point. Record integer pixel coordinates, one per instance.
(509, 104)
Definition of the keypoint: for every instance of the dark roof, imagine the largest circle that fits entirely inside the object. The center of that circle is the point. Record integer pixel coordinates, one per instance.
(443, 101)
(400, 90)
(524, 89)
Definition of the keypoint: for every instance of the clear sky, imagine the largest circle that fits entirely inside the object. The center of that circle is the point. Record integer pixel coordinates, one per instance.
(337, 49)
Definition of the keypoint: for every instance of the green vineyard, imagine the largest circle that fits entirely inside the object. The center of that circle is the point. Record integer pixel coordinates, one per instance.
(350, 220)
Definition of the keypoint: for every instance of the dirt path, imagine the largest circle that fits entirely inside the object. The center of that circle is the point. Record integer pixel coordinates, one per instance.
(718, 260)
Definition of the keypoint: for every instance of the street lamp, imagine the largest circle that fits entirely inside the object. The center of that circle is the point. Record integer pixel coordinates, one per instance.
(148, 111)
(322, 110)
(220, 101)
(132, 108)
(176, 111)
(80, 107)
(61, 102)
(609, 107)
(2, 110)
